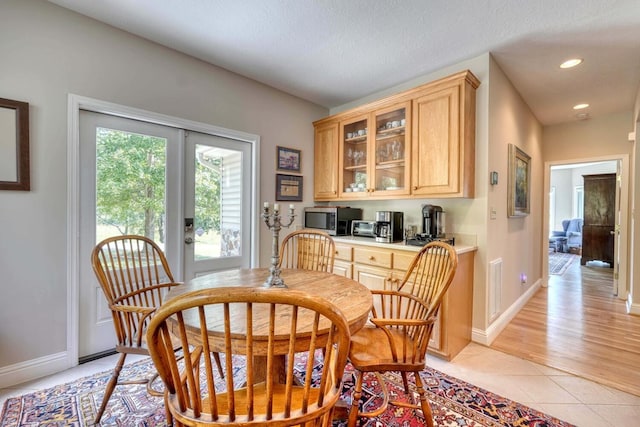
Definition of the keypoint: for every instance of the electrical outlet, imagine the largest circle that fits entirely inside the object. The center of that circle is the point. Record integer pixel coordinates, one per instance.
(523, 279)
(493, 214)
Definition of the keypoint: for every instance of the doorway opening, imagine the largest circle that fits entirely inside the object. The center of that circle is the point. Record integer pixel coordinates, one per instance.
(566, 216)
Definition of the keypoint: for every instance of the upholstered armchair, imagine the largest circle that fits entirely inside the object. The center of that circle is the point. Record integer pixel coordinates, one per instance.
(569, 237)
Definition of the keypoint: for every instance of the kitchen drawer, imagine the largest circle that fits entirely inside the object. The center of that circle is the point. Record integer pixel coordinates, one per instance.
(402, 260)
(343, 252)
(376, 257)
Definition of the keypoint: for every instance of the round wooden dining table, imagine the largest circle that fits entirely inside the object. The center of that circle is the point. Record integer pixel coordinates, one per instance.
(352, 298)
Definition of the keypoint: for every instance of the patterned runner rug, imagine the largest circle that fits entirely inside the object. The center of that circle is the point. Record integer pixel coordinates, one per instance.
(454, 403)
(559, 262)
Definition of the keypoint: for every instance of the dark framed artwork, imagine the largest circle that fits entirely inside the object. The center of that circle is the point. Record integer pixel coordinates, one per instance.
(288, 159)
(288, 188)
(14, 145)
(519, 182)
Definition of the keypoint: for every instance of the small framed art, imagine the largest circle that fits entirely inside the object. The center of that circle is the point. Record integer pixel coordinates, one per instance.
(288, 159)
(519, 182)
(288, 188)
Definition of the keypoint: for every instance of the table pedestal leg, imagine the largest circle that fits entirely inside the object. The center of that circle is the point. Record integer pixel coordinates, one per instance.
(260, 368)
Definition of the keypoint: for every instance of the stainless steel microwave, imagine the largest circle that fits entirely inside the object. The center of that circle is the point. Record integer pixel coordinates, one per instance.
(335, 220)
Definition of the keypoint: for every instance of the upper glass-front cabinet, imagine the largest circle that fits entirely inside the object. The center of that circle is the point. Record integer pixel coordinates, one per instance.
(375, 150)
(391, 150)
(355, 154)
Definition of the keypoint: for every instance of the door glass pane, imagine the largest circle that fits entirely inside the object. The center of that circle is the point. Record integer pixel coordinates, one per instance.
(218, 197)
(130, 184)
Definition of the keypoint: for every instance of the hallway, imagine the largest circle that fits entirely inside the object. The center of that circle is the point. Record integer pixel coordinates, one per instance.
(578, 326)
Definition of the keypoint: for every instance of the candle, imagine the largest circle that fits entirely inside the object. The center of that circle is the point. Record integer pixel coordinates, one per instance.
(266, 205)
(276, 207)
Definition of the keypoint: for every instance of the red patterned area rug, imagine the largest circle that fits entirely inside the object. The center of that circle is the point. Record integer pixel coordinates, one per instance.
(454, 403)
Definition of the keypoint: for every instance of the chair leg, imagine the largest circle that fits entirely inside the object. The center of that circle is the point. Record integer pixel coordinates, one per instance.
(424, 402)
(111, 385)
(405, 382)
(355, 401)
(168, 414)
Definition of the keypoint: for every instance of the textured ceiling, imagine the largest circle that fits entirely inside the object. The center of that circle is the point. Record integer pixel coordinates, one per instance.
(334, 51)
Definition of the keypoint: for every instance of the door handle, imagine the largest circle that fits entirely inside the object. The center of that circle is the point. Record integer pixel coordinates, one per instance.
(188, 231)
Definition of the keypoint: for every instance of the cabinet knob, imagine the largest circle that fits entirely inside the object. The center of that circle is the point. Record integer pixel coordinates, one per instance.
(415, 187)
(371, 258)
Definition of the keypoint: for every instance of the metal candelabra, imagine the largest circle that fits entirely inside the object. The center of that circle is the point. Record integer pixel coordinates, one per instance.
(272, 220)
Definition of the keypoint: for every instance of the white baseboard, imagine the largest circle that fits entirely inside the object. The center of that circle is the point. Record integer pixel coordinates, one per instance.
(631, 307)
(487, 336)
(32, 369)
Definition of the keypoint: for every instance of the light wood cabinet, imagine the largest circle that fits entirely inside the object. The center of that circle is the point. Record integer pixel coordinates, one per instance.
(418, 143)
(444, 147)
(354, 177)
(374, 152)
(325, 173)
(384, 268)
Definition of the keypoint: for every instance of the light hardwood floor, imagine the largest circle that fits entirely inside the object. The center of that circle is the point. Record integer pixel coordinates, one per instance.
(578, 326)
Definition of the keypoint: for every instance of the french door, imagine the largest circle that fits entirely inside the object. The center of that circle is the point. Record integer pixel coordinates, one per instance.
(188, 191)
(216, 195)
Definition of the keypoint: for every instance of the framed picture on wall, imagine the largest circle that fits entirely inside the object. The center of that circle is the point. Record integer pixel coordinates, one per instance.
(288, 159)
(519, 183)
(14, 145)
(288, 188)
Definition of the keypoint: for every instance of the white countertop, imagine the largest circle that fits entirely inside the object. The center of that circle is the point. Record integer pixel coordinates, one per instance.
(460, 248)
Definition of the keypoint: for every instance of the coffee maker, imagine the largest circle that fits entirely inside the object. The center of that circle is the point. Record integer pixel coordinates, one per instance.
(433, 219)
(389, 226)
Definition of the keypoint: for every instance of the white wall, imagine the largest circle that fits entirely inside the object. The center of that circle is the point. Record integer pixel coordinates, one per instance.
(562, 180)
(515, 241)
(49, 52)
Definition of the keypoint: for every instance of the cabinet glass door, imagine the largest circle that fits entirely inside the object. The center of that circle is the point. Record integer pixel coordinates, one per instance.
(391, 150)
(354, 158)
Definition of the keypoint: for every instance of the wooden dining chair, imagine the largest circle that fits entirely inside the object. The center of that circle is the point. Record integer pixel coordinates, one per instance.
(402, 321)
(134, 275)
(308, 250)
(253, 327)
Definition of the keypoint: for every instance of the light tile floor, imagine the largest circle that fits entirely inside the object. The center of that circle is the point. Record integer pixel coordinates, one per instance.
(570, 398)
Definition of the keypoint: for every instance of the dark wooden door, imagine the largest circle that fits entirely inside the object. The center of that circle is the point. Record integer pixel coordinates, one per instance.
(599, 218)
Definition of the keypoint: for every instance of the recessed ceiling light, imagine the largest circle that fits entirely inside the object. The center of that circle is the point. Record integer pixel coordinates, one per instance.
(570, 63)
(580, 106)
